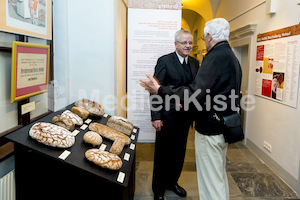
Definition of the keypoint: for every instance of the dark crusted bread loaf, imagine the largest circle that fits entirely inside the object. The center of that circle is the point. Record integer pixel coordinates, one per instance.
(94, 108)
(80, 112)
(120, 124)
(63, 122)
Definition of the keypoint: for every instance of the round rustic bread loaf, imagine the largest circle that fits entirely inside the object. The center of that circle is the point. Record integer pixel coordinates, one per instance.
(104, 159)
(92, 138)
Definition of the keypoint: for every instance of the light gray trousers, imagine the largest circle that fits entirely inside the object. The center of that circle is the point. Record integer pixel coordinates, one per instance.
(210, 152)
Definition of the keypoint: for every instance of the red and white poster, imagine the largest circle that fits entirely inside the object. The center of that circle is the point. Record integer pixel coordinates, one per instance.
(277, 65)
(29, 72)
(151, 28)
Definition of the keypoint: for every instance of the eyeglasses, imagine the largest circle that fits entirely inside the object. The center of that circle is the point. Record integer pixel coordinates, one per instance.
(185, 43)
(203, 37)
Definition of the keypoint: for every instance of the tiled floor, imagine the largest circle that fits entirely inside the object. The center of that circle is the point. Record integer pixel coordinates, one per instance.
(249, 178)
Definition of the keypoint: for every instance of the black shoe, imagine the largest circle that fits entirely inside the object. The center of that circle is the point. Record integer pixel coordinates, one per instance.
(178, 190)
(159, 197)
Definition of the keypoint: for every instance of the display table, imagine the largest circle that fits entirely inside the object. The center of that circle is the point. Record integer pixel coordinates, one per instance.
(44, 172)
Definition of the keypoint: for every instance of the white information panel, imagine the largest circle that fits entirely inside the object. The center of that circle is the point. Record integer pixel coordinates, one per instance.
(151, 29)
(277, 65)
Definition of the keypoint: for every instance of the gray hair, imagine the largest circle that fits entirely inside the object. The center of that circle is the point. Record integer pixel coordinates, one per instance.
(218, 28)
(177, 34)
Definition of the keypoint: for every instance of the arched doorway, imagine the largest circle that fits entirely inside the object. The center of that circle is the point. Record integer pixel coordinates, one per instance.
(194, 22)
(195, 14)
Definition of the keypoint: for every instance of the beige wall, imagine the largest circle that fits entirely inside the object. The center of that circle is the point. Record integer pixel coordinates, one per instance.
(272, 122)
(121, 54)
(199, 47)
(185, 25)
(230, 9)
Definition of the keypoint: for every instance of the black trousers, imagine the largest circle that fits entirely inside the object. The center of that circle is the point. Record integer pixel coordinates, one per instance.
(170, 147)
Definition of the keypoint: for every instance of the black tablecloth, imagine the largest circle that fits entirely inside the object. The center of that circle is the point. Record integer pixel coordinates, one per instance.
(77, 157)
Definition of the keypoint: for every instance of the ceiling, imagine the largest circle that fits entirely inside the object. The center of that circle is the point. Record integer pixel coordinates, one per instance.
(206, 8)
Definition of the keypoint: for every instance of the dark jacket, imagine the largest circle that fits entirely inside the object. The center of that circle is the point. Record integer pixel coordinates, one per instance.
(168, 71)
(218, 74)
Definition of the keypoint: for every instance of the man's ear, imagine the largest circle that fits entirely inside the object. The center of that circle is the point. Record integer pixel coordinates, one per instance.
(209, 37)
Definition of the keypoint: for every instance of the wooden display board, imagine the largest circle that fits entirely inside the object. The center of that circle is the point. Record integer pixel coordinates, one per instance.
(29, 71)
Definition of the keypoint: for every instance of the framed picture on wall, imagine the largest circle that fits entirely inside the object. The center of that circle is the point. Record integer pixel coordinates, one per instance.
(26, 17)
(29, 70)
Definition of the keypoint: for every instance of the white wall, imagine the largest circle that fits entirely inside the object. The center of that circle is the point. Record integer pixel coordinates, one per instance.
(270, 121)
(85, 52)
(61, 54)
(8, 111)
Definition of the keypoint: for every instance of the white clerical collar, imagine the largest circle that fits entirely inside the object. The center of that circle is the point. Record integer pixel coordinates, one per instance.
(181, 58)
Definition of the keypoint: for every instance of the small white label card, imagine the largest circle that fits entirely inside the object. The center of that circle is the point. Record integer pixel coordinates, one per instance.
(121, 177)
(105, 115)
(103, 147)
(133, 137)
(75, 132)
(28, 107)
(126, 156)
(132, 146)
(84, 126)
(88, 121)
(65, 154)
(134, 130)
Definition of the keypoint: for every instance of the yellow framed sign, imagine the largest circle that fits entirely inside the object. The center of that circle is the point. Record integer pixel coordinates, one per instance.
(29, 70)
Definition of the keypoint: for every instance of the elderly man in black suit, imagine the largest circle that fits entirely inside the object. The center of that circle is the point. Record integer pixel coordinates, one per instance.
(169, 120)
